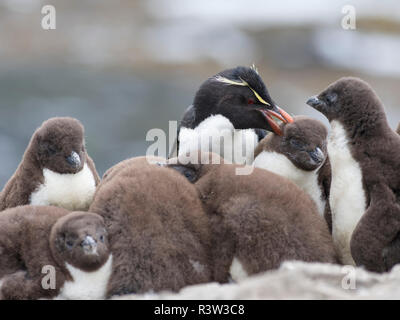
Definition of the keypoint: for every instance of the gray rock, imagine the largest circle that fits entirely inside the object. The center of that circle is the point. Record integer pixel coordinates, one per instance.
(294, 280)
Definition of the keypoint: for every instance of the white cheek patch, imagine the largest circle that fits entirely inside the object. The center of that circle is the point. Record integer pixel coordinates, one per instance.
(70, 191)
(217, 134)
(237, 271)
(86, 285)
(305, 180)
(347, 197)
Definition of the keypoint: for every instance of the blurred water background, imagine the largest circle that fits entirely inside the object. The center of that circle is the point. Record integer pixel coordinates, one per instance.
(124, 67)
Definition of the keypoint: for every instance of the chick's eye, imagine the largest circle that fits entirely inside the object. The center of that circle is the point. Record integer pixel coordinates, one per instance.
(51, 149)
(102, 238)
(296, 143)
(250, 101)
(69, 244)
(331, 98)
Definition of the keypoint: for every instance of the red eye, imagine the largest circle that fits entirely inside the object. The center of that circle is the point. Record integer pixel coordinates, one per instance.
(250, 101)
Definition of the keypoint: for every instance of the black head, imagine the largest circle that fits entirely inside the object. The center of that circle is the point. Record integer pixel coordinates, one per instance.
(240, 95)
(194, 166)
(190, 171)
(303, 142)
(80, 239)
(349, 100)
(59, 145)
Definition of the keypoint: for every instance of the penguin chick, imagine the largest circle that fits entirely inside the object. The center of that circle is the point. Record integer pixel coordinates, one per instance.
(157, 228)
(301, 156)
(230, 112)
(138, 161)
(257, 220)
(55, 169)
(47, 252)
(365, 157)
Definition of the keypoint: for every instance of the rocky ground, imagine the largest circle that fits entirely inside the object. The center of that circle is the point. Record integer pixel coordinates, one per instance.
(295, 280)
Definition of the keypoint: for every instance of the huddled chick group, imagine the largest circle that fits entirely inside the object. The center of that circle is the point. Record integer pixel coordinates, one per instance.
(155, 224)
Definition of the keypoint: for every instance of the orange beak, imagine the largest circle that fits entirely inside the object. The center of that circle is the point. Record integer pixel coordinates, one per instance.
(281, 115)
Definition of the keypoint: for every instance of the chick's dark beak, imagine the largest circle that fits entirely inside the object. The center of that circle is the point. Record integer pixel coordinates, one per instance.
(74, 160)
(315, 102)
(89, 245)
(279, 114)
(317, 156)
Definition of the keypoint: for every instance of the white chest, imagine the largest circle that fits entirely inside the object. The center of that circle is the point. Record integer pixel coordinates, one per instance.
(217, 134)
(87, 285)
(305, 180)
(347, 197)
(69, 191)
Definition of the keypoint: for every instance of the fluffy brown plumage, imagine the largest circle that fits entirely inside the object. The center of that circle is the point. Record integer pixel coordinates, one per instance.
(50, 148)
(352, 104)
(157, 228)
(32, 237)
(304, 144)
(261, 219)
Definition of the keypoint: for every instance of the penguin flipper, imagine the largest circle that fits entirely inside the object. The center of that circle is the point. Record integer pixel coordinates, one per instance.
(12, 196)
(4, 195)
(328, 216)
(375, 237)
(92, 168)
(324, 181)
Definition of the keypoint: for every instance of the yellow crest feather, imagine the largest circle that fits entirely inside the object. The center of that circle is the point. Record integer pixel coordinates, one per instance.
(243, 84)
(254, 68)
(229, 81)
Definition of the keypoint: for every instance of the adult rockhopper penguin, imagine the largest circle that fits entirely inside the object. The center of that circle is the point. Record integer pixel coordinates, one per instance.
(365, 189)
(234, 103)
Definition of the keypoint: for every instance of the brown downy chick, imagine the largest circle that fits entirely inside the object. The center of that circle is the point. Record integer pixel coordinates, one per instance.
(365, 190)
(300, 154)
(157, 227)
(55, 169)
(257, 220)
(74, 246)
